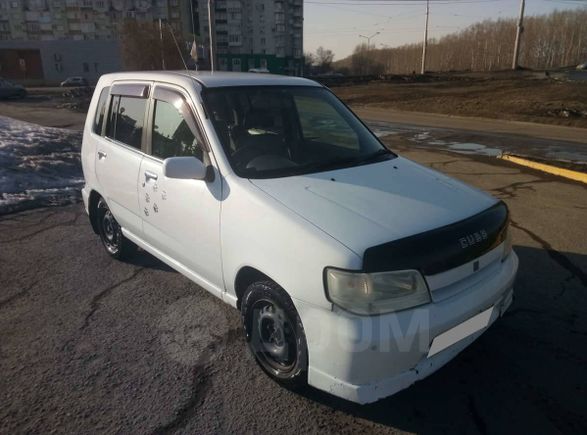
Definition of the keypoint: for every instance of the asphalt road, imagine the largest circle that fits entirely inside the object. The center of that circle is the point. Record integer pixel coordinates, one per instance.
(42, 110)
(92, 345)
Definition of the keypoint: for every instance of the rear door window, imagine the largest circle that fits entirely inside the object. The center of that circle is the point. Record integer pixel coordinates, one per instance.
(127, 119)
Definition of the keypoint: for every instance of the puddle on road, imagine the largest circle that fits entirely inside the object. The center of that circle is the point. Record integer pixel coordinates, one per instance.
(428, 138)
(475, 148)
(425, 139)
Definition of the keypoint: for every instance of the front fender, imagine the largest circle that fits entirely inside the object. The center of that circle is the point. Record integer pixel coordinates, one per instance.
(258, 231)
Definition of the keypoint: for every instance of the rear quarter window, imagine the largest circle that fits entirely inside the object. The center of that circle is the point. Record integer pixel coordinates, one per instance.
(101, 111)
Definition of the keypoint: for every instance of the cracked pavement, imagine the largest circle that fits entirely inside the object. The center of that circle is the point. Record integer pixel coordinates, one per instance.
(92, 345)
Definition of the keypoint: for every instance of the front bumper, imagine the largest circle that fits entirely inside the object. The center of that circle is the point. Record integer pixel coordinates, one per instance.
(364, 359)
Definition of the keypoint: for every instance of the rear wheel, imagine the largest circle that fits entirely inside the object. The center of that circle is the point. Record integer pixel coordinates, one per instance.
(111, 235)
(275, 334)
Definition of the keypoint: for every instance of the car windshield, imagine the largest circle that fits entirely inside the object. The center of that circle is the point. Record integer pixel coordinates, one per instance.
(278, 131)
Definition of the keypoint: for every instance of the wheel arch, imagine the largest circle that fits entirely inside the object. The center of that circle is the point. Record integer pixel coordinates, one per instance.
(92, 208)
(246, 276)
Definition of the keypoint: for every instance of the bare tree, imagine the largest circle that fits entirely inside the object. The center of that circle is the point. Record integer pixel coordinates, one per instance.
(549, 41)
(143, 49)
(309, 63)
(324, 58)
(364, 61)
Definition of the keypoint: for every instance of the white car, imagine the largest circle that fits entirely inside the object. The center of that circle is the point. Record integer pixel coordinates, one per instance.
(74, 81)
(355, 270)
(259, 70)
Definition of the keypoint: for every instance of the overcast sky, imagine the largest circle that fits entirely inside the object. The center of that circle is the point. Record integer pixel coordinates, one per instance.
(336, 24)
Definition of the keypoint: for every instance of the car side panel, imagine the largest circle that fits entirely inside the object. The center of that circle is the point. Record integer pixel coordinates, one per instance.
(181, 219)
(118, 174)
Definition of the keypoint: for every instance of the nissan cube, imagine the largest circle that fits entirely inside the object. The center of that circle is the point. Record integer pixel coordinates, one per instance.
(356, 271)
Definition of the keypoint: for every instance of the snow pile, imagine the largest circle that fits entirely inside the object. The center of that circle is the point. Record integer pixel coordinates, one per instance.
(39, 166)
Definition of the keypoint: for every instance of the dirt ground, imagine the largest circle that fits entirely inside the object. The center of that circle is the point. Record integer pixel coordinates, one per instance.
(521, 98)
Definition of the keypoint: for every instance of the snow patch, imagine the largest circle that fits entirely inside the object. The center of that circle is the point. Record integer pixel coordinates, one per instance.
(39, 166)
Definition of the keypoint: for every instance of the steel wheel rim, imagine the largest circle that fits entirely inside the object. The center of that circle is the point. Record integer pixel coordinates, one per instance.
(110, 232)
(273, 338)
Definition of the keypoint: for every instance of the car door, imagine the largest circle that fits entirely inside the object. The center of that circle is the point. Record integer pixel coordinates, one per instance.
(120, 150)
(180, 217)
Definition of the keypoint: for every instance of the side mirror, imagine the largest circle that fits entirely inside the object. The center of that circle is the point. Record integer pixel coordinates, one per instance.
(184, 168)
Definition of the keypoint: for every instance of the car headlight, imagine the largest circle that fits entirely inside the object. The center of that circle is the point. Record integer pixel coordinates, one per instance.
(507, 244)
(376, 293)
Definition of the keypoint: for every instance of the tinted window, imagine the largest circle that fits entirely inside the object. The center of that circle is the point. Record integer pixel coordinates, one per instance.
(172, 136)
(100, 111)
(127, 116)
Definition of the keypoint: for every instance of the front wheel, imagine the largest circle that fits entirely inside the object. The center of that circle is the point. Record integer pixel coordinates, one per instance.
(275, 334)
(111, 235)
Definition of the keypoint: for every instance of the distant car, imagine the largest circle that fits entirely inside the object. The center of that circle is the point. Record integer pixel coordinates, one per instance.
(329, 75)
(74, 81)
(11, 90)
(259, 70)
(582, 66)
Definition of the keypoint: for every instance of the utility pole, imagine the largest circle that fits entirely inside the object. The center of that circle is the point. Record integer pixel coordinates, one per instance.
(212, 29)
(193, 21)
(368, 38)
(519, 31)
(161, 40)
(425, 44)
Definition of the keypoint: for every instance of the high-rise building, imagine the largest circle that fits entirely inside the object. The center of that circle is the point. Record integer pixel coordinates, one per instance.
(48, 40)
(255, 34)
(49, 20)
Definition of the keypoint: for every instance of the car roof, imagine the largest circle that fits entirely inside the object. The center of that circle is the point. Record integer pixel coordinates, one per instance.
(216, 79)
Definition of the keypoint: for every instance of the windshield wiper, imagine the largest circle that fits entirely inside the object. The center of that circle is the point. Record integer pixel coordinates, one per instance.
(331, 164)
(373, 156)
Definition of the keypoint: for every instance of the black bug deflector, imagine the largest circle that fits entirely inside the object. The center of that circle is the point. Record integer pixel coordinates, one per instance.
(443, 248)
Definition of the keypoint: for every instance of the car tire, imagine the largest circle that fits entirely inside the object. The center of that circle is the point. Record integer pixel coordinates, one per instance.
(275, 334)
(116, 244)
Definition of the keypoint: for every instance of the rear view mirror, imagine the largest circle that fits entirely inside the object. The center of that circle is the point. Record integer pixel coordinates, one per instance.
(184, 168)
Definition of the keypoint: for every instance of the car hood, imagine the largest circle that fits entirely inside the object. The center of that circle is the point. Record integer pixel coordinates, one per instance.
(367, 205)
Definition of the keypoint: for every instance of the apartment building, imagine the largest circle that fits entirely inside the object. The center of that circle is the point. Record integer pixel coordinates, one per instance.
(255, 34)
(48, 40)
(44, 41)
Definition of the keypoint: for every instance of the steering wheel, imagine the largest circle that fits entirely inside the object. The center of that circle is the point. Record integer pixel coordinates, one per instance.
(248, 152)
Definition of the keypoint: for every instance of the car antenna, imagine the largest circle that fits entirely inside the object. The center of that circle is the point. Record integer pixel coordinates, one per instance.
(177, 46)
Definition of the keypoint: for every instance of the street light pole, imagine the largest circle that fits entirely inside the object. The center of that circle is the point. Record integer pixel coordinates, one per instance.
(212, 29)
(193, 21)
(161, 42)
(425, 45)
(368, 38)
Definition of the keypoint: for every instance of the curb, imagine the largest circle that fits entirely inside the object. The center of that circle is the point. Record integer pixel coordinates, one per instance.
(554, 170)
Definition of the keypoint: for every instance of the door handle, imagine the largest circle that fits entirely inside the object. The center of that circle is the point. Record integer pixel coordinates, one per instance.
(102, 155)
(150, 176)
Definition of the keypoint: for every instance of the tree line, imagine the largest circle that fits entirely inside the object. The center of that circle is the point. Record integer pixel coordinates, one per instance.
(549, 41)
